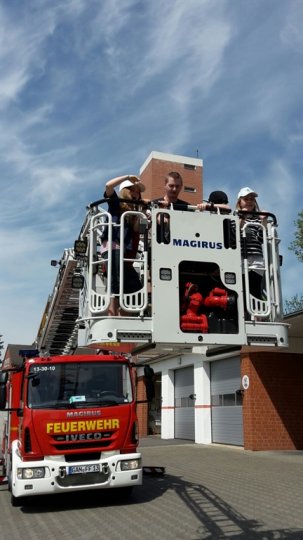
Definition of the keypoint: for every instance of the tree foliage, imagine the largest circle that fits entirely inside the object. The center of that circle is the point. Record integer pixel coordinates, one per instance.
(1, 346)
(297, 244)
(293, 304)
(296, 302)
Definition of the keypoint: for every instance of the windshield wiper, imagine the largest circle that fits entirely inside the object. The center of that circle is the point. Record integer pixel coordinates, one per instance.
(51, 405)
(104, 402)
(77, 404)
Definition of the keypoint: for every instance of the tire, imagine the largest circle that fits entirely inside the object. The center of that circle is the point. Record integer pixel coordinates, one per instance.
(17, 501)
(9, 481)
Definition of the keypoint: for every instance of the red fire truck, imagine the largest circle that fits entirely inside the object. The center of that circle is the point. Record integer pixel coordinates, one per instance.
(195, 295)
(71, 424)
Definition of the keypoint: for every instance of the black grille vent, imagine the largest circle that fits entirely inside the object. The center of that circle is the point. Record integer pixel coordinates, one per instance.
(82, 445)
(84, 456)
(27, 440)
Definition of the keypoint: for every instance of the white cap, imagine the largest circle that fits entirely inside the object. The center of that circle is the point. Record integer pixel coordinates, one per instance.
(246, 191)
(128, 183)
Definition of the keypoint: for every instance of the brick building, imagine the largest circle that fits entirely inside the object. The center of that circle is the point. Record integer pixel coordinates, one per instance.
(267, 413)
(158, 165)
(273, 402)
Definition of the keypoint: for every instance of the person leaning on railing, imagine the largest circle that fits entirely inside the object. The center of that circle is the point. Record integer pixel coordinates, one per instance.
(173, 185)
(254, 238)
(130, 188)
(217, 202)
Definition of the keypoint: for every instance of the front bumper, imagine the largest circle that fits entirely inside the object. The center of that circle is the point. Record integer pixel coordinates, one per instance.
(58, 480)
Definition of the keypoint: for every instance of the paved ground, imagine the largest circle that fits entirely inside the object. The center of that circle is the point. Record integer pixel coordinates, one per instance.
(208, 492)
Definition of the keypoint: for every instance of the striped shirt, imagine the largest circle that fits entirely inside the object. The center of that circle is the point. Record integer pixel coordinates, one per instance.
(254, 238)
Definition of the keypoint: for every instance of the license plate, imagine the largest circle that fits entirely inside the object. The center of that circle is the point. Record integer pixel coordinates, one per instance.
(82, 469)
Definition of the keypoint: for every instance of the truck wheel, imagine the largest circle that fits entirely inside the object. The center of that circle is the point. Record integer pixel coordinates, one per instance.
(9, 481)
(16, 501)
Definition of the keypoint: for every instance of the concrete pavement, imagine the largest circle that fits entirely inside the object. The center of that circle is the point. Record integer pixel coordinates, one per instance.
(208, 492)
(215, 491)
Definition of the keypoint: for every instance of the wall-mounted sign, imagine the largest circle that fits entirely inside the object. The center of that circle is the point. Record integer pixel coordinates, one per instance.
(245, 382)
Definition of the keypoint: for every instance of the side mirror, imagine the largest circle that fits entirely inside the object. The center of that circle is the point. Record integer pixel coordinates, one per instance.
(3, 381)
(3, 377)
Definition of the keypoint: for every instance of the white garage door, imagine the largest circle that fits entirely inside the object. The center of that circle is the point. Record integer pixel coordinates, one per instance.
(226, 411)
(184, 404)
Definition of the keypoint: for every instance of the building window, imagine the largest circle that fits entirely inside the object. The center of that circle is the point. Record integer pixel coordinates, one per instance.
(189, 189)
(227, 400)
(189, 167)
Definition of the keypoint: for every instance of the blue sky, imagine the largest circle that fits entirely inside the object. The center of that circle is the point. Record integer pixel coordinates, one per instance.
(88, 88)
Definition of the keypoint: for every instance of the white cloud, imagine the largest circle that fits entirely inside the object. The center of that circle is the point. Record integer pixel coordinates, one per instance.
(88, 89)
(52, 184)
(21, 50)
(291, 34)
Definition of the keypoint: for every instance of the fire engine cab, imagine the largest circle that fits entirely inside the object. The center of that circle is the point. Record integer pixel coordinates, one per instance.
(71, 424)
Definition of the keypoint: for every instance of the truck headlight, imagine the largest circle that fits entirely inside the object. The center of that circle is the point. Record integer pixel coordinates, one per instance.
(31, 472)
(130, 464)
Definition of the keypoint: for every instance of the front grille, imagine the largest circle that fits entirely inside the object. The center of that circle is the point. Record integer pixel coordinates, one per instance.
(82, 479)
(92, 456)
(82, 445)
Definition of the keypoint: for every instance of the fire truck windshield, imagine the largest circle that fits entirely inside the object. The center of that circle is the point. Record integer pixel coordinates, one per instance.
(73, 384)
